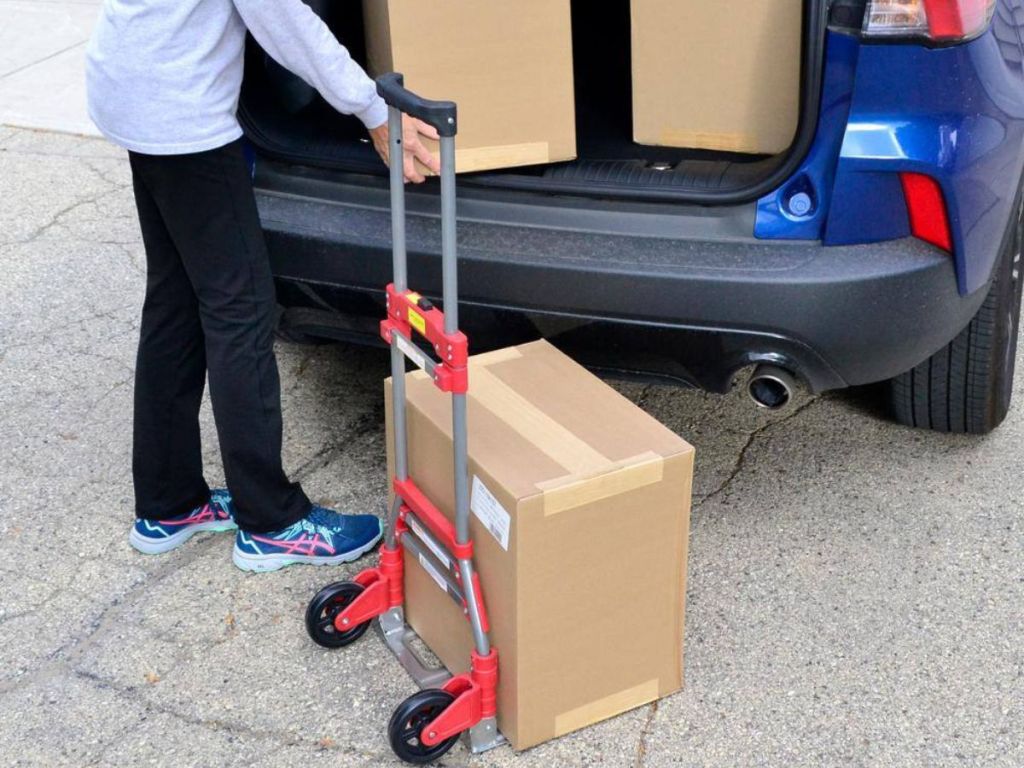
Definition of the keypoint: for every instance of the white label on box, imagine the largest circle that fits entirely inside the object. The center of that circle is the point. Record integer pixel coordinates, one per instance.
(434, 574)
(489, 511)
(412, 352)
(423, 536)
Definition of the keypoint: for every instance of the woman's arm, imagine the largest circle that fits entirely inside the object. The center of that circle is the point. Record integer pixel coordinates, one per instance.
(300, 41)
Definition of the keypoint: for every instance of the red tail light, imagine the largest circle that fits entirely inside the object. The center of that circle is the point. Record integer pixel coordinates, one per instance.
(944, 21)
(926, 207)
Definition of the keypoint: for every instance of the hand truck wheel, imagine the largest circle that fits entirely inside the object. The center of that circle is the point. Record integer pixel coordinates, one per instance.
(324, 608)
(408, 721)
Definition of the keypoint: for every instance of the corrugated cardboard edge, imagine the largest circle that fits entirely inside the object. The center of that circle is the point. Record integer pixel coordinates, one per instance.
(563, 494)
(609, 706)
(687, 458)
(720, 141)
(469, 159)
(376, 16)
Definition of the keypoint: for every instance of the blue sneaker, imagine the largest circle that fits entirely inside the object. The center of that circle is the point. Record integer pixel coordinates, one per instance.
(323, 537)
(154, 537)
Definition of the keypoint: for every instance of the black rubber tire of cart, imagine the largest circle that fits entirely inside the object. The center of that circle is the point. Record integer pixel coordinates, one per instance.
(408, 721)
(322, 609)
(966, 386)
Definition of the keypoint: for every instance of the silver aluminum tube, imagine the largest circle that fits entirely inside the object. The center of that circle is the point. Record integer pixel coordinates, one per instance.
(396, 157)
(449, 255)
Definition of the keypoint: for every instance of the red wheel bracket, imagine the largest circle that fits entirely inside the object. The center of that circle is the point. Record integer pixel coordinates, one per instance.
(475, 698)
(382, 590)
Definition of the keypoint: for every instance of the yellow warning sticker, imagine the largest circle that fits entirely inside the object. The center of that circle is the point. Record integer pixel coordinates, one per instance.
(413, 297)
(417, 321)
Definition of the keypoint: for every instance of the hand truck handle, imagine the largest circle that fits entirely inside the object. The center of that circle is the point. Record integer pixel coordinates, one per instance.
(439, 114)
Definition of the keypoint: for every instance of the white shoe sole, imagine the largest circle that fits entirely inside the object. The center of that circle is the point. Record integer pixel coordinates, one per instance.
(159, 546)
(265, 563)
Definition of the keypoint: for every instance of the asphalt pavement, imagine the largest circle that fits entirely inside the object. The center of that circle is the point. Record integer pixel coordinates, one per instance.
(855, 596)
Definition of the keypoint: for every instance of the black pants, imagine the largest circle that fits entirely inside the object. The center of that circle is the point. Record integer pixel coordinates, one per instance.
(210, 309)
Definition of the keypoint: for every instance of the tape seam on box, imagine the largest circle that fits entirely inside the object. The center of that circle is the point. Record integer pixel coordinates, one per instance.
(609, 706)
(566, 449)
(563, 494)
(722, 141)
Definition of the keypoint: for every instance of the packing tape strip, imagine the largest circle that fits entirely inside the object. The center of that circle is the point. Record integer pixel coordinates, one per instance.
(502, 156)
(565, 448)
(468, 159)
(609, 706)
(723, 142)
(563, 494)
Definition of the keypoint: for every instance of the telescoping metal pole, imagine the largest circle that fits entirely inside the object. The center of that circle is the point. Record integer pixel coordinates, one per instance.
(449, 266)
(401, 278)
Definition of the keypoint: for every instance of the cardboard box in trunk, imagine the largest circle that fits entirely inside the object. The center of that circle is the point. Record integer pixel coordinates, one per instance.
(506, 63)
(581, 506)
(717, 74)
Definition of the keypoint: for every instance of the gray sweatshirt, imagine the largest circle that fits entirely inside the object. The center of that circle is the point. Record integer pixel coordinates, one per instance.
(164, 76)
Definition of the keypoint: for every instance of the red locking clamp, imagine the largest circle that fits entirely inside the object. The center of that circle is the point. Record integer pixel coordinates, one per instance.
(409, 311)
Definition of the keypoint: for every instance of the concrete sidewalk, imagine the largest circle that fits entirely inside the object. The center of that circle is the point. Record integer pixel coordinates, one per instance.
(42, 59)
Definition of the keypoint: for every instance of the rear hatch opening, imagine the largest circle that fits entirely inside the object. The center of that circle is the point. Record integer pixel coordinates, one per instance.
(287, 120)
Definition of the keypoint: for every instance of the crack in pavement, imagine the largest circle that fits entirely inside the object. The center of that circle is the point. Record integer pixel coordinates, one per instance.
(105, 623)
(55, 220)
(645, 732)
(741, 457)
(364, 425)
(135, 695)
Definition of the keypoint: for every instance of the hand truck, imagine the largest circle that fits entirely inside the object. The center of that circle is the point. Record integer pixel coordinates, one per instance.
(426, 725)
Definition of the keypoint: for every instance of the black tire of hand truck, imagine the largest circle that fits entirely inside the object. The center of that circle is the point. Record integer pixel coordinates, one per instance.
(966, 386)
(408, 721)
(325, 605)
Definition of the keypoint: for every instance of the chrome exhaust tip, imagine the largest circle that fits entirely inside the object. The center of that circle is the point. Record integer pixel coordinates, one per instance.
(771, 387)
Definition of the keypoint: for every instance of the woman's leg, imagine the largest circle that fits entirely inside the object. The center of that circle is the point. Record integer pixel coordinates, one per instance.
(170, 374)
(206, 200)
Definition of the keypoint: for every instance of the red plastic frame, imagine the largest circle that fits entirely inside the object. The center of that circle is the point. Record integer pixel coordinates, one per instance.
(383, 589)
(476, 696)
(439, 525)
(405, 315)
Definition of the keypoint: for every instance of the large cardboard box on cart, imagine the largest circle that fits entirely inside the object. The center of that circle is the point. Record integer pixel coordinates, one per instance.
(717, 74)
(581, 505)
(506, 63)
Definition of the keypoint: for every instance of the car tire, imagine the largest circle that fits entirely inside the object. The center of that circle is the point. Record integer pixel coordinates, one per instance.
(966, 386)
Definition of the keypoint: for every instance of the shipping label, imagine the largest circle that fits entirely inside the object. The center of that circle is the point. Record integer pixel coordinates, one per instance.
(489, 511)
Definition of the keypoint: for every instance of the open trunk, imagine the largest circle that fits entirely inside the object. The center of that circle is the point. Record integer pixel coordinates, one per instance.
(286, 119)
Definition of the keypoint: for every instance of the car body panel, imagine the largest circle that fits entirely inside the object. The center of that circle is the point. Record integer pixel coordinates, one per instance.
(836, 291)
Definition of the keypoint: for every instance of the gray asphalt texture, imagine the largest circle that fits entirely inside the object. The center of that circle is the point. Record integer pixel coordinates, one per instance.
(856, 591)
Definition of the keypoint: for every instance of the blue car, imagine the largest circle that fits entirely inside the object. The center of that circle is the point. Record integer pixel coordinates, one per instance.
(883, 245)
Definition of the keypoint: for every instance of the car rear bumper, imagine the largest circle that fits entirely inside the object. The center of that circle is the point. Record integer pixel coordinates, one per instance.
(642, 292)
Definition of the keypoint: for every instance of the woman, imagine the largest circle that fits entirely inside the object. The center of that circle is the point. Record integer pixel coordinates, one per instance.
(164, 78)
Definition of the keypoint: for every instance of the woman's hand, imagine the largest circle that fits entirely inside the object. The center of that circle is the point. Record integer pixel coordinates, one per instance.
(412, 147)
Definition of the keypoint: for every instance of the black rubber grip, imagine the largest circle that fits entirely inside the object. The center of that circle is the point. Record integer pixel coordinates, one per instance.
(440, 114)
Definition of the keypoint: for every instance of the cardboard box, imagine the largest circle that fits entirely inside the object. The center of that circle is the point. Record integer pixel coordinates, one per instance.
(582, 557)
(717, 74)
(506, 63)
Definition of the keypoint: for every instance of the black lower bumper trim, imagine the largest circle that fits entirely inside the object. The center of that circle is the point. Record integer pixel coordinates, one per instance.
(691, 310)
